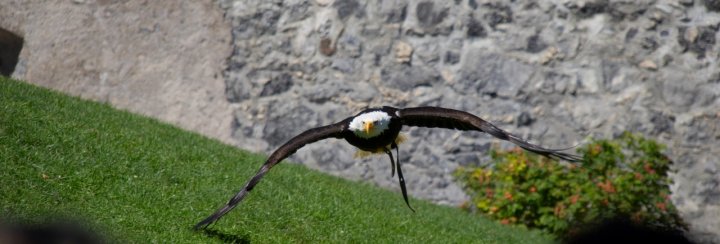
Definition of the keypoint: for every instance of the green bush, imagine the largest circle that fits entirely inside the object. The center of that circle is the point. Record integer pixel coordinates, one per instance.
(622, 178)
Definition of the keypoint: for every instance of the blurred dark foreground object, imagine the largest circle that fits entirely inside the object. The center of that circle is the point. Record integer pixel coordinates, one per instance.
(618, 231)
(51, 233)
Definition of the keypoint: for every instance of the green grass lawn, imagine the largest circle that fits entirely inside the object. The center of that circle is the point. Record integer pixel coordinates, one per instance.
(139, 180)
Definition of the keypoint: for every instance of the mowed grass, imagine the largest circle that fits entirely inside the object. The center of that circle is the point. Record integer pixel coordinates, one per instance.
(135, 179)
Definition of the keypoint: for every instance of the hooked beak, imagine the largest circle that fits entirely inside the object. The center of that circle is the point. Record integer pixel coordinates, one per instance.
(368, 127)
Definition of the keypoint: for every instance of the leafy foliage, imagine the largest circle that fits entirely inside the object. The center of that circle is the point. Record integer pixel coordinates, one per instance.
(622, 178)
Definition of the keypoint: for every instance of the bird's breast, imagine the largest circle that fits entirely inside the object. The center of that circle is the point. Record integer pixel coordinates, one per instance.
(373, 144)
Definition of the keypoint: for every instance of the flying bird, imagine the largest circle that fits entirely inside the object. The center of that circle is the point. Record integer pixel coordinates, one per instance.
(377, 131)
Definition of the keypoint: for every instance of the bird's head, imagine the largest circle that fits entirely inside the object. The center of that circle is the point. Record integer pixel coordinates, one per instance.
(370, 124)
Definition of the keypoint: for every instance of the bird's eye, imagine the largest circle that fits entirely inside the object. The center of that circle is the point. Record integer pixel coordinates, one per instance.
(376, 122)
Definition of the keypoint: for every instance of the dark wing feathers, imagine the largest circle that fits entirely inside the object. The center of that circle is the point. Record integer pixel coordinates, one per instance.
(307, 137)
(434, 117)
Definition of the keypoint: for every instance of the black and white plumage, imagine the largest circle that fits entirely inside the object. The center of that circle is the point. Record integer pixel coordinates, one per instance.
(378, 131)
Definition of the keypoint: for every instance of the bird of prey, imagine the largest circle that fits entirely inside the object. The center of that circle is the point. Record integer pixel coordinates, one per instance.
(377, 130)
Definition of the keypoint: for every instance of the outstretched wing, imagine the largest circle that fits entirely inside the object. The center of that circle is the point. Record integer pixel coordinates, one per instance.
(434, 117)
(307, 137)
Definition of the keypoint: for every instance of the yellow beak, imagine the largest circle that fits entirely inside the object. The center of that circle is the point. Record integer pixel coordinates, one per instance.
(368, 127)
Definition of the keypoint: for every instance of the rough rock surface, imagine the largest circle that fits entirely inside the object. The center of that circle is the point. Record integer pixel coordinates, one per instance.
(159, 58)
(552, 71)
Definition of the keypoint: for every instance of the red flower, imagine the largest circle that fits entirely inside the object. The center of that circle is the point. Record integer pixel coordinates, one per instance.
(649, 169)
(574, 198)
(661, 206)
(489, 192)
(606, 186)
(559, 210)
(508, 196)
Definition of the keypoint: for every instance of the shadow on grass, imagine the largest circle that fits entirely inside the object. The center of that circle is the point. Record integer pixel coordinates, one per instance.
(625, 231)
(49, 231)
(224, 237)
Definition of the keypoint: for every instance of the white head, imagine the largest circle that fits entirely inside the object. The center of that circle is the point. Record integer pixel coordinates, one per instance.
(371, 124)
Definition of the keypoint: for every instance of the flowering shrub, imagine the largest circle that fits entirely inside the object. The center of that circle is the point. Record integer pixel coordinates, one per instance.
(626, 177)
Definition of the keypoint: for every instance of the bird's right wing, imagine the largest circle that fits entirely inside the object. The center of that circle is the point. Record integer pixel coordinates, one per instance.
(435, 117)
(287, 149)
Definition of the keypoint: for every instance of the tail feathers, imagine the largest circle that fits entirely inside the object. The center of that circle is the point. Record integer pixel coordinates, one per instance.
(365, 154)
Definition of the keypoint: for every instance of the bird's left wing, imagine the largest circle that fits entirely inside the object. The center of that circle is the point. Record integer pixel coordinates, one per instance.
(287, 149)
(435, 117)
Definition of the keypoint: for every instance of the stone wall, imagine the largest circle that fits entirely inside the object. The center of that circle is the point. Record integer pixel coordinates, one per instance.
(164, 59)
(555, 72)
